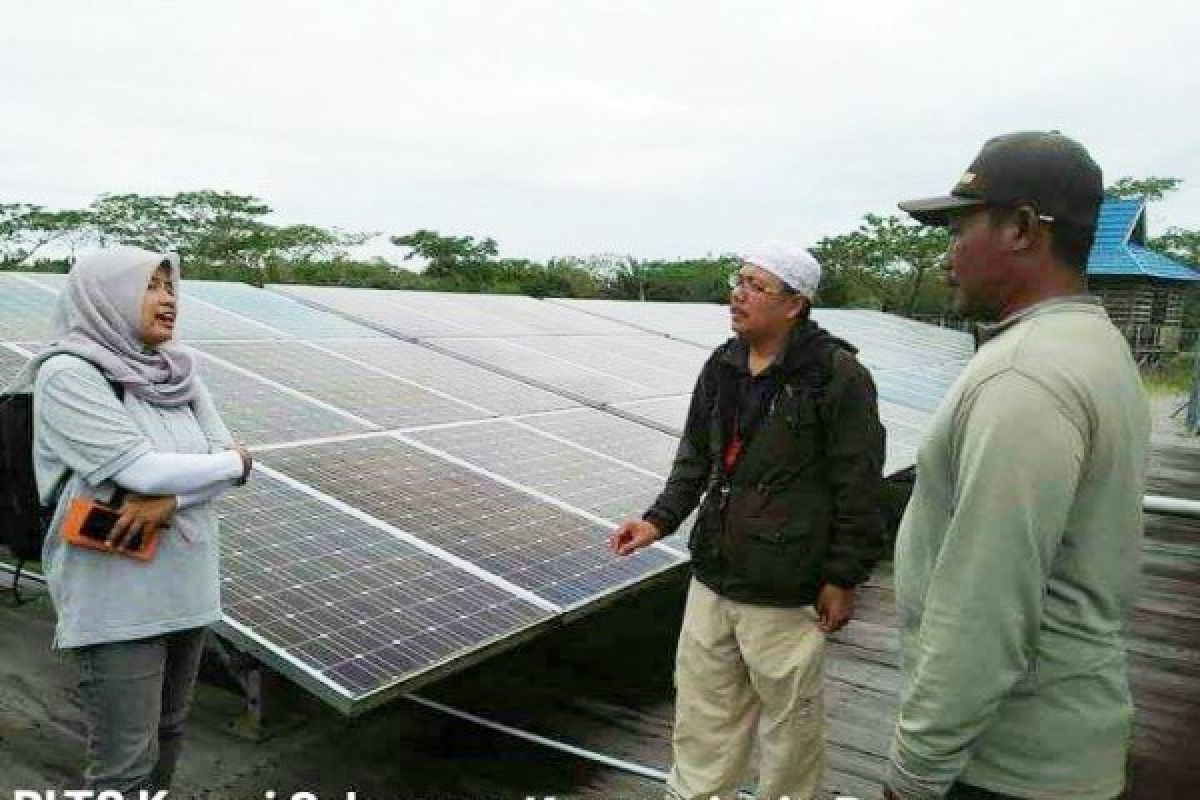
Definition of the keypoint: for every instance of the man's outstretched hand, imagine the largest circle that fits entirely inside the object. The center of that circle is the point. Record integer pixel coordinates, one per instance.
(632, 535)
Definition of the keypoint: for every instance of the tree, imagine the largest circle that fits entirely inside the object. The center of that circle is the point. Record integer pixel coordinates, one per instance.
(885, 260)
(1152, 188)
(455, 257)
(212, 229)
(1180, 244)
(25, 229)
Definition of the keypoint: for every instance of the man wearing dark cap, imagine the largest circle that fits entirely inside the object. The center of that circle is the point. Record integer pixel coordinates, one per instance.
(783, 440)
(1018, 553)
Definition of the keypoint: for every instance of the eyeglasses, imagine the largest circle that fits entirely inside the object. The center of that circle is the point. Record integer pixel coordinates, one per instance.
(751, 284)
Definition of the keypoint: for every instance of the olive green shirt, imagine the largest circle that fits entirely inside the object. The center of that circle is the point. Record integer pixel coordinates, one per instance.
(1016, 565)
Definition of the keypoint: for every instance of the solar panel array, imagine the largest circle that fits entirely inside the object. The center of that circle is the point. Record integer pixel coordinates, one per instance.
(913, 364)
(382, 542)
(438, 472)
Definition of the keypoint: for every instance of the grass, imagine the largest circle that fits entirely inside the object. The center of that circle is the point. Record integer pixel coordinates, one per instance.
(1172, 376)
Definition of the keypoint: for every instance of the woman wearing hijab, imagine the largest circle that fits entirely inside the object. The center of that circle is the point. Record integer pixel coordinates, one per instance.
(119, 406)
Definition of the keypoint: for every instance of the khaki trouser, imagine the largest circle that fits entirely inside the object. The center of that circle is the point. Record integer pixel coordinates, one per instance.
(740, 669)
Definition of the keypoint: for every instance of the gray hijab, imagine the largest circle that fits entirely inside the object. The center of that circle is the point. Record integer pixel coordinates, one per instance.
(98, 318)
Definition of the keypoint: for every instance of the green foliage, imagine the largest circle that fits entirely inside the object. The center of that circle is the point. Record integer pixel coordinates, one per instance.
(211, 229)
(461, 260)
(25, 229)
(1171, 375)
(1151, 188)
(884, 264)
(1182, 245)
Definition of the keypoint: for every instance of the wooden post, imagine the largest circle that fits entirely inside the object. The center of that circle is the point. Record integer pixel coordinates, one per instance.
(1193, 415)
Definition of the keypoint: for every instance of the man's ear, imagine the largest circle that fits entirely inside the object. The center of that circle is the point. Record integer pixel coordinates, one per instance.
(1024, 230)
(800, 306)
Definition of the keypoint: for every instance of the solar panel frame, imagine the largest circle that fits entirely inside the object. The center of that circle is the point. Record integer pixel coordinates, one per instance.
(612, 435)
(12, 361)
(668, 414)
(287, 316)
(437, 314)
(439, 498)
(264, 414)
(499, 394)
(584, 383)
(369, 393)
(903, 343)
(605, 486)
(913, 362)
(299, 654)
(659, 363)
(26, 308)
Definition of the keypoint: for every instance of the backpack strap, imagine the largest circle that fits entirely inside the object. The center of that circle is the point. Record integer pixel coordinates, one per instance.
(119, 391)
(46, 513)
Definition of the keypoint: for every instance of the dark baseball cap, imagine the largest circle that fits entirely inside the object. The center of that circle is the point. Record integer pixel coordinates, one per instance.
(1046, 170)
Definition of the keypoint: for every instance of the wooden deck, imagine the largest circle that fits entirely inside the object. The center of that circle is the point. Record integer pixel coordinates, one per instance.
(863, 679)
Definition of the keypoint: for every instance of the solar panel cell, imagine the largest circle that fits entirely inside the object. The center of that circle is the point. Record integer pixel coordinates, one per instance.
(348, 603)
(508, 532)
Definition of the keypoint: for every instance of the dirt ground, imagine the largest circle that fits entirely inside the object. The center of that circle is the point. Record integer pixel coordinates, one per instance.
(608, 673)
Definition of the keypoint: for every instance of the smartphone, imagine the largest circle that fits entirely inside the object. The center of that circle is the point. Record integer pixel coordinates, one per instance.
(89, 524)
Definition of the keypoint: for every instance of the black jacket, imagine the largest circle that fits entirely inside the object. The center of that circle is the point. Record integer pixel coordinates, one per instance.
(801, 506)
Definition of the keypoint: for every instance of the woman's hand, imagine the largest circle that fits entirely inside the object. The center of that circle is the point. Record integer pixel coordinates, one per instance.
(247, 463)
(143, 514)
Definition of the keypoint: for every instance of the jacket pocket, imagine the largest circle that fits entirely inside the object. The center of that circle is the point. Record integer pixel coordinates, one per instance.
(772, 548)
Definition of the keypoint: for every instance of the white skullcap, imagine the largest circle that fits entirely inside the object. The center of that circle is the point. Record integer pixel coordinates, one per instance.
(791, 263)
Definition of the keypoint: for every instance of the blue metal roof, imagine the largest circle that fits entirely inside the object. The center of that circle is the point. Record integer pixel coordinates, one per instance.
(1115, 254)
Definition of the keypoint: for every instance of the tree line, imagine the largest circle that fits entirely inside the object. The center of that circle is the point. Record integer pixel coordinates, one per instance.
(887, 262)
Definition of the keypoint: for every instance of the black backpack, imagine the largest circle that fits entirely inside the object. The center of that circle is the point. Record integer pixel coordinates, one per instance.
(23, 520)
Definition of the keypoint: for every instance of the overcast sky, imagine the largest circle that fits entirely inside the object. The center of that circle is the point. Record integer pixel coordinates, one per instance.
(657, 129)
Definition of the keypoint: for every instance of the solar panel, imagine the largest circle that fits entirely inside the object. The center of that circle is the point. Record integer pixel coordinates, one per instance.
(366, 392)
(559, 555)
(419, 314)
(884, 340)
(662, 364)
(360, 562)
(26, 309)
(667, 412)
(587, 382)
(705, 323)
(201, 322)
(261, 414)
(611, 435)
(27, 302)
(583, 479)
(287, 316)
(10, 365)
(918, 387)
(346, 607)
(51, 280)
(521, 315)
(499, 394)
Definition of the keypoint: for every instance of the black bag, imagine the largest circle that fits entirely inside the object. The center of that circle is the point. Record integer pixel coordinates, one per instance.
(21, 526)
(23, 520)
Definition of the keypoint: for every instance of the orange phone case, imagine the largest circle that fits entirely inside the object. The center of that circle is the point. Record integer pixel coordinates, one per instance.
(74, 523)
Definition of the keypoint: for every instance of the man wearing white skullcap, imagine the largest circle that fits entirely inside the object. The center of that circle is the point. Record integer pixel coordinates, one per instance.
(783, 441)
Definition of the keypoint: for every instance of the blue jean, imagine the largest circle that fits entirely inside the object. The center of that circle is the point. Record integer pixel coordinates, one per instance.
(136, 696)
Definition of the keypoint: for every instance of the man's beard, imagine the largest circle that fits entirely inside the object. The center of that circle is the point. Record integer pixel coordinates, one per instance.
(974, 308)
